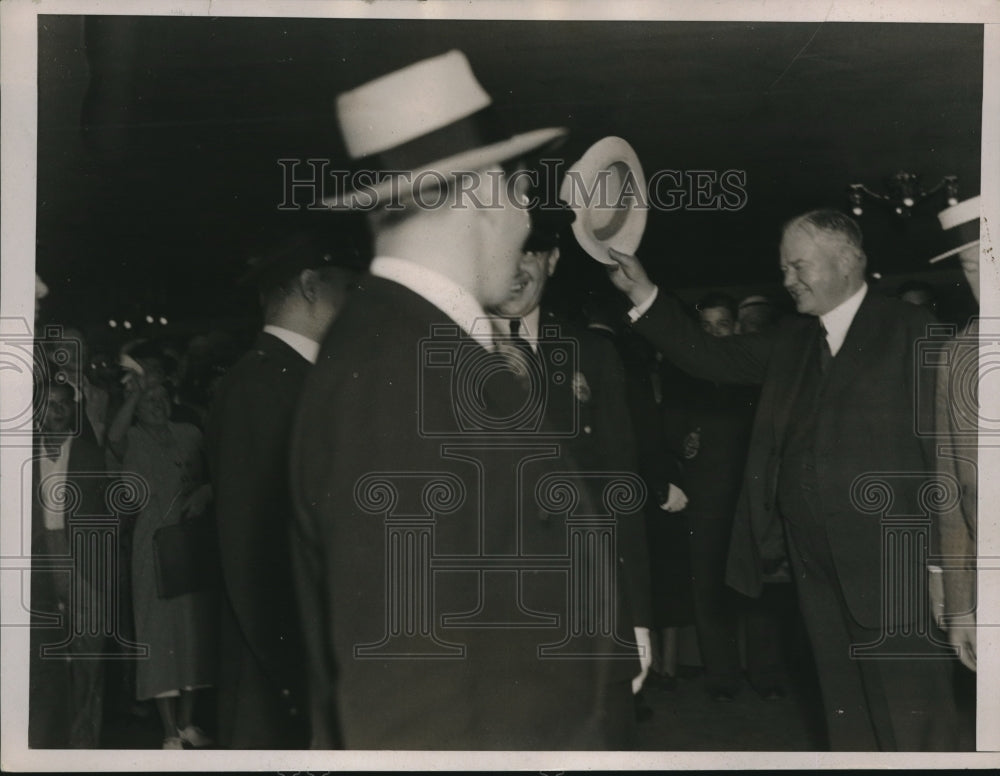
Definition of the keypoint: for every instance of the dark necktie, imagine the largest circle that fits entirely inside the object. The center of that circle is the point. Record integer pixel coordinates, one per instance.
(520, 342)
(825, 354)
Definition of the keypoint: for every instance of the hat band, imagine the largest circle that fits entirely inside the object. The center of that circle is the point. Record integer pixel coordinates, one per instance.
(956, 239)
(960, 235)
(479, 129)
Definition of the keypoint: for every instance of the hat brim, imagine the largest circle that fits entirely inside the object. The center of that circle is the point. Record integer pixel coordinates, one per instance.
(429, 177)
(604, 222)
(952, 251)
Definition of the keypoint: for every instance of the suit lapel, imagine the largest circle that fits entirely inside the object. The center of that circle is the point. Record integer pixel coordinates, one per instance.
(794, 359)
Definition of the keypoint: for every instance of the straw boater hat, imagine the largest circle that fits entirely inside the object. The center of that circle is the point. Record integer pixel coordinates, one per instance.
(432, 119)
(604, 218)
(961, 228)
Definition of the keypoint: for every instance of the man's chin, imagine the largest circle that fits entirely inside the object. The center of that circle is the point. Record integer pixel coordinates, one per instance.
(802, 306)
(513, 307)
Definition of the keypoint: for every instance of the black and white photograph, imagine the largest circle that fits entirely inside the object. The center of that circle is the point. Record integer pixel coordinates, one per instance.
(424, 384)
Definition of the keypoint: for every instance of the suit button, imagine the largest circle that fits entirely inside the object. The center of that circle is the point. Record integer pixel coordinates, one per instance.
(286, 693)
(293, 711)
(586, 429)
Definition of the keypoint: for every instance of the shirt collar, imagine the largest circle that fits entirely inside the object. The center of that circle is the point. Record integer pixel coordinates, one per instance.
(530, 326)
(301, 344)
(838, 320)
(441, 291)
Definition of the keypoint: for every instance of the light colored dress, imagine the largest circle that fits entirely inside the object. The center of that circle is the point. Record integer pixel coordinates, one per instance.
(181, 632)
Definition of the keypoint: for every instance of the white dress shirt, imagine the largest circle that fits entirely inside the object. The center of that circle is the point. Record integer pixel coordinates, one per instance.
(442, 292)
(305, 347)
(640, 309)
(530, 325)
(838, 320)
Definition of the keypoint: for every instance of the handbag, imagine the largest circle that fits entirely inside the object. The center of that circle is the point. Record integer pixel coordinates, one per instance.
(186, 557)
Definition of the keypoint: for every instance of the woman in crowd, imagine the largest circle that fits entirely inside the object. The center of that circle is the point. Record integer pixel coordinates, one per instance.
(180, 630)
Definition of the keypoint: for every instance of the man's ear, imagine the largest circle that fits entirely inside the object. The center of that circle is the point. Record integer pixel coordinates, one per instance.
(309, 285)
(553, 260)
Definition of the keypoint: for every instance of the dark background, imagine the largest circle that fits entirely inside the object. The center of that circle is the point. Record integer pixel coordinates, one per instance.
(158, 139)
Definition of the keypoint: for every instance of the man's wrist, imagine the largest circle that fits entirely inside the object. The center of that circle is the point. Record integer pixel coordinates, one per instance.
(642, 307)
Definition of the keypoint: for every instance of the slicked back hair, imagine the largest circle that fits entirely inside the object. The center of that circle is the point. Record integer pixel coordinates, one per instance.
(835, 225)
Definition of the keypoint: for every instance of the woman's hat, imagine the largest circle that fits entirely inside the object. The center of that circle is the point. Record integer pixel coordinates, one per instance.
(961, 228)
(607, 190)
(429, 120)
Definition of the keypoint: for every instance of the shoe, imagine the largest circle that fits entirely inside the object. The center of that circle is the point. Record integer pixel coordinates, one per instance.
(194, 736)
(173, 742)
(722, 696)
(773, 692)
(662, 682)
(643, 711)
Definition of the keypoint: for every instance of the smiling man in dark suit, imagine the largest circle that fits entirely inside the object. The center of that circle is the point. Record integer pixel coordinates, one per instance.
(262, 695)
(840, 401)
(604, 439)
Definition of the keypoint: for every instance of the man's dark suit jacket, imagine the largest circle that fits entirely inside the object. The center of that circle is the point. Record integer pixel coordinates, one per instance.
(605, 442)
(866, 425)
(59, 699)
(377, 406)
(262, 687)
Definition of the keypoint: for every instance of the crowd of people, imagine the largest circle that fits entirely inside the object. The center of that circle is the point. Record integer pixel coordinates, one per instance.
(427, 509)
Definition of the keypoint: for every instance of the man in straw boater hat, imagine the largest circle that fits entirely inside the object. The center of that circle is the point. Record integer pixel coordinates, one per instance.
(957, 420)
(835, 466)
(431, 536)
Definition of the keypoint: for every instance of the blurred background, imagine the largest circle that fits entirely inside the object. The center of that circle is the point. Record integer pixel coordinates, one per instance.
(159, 140)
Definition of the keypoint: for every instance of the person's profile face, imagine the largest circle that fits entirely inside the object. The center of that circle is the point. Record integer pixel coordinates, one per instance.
(502, 230)
(814, 271)
(717, 321)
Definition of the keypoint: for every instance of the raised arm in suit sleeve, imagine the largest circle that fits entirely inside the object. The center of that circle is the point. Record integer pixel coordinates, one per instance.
(740, 359)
